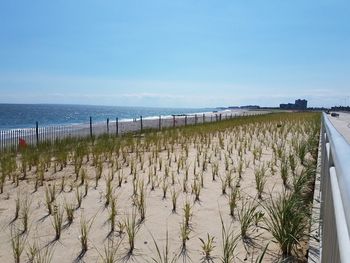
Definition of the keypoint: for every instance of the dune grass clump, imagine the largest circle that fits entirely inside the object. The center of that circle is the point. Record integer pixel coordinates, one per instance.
(18, 243)
(232, 200)
(260, 180)
(141, 201)
(82, 176)
(135, 184)
(112, 214)
(86, 188)
(17, 207)
(78, 162)
(229, 243)
(69, 208)
(184, 186)
(215, 171)
(25, 214)
(62, 184)
(185, 232)
(132, 228)
(85, 227)
(120, 178)
(110, 252)
(109, 191)
(78, 196)
(40, 173)
(301, 150)
(98, 171)
(287, 221)
(57, 221)
(32, 251)
(207, 247)
(223, 185)
(187, 209)
(8, 168)
(44, 255)
(2, 182)
(165, 187)
(196, 189)
(50, 197)
(121, 228)
(246, 216)
(174, 196)
(292, 163)
(163, 256)
(284, 172)
(240, 168)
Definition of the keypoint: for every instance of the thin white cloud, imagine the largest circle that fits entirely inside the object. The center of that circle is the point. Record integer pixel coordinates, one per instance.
(152, 95)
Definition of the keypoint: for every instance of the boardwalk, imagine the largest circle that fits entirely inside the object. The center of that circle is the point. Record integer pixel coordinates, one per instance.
(342, 124)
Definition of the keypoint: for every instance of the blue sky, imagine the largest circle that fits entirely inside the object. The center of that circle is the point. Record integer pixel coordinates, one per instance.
(181, 53)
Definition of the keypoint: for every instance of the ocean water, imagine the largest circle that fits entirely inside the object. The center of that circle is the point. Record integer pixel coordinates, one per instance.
(15, 116)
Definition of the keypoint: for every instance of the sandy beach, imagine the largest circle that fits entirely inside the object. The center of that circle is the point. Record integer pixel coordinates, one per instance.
(218, 161)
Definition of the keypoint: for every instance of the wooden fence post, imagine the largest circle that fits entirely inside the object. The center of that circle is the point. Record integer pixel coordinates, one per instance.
(186, 120)
(173, 121)
(195, 119)
(116, 127)
(107, 125)
(160, 122)
(141, 123)
(203, 118)
(37, 132)
(90, 126)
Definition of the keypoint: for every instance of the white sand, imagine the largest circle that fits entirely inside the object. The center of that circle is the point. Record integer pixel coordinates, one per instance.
(159, 217)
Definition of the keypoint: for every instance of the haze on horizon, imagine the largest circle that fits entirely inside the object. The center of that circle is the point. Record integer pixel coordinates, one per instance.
(182, 53)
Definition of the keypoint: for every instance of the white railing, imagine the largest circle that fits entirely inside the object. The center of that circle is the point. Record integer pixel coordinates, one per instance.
(335, 195)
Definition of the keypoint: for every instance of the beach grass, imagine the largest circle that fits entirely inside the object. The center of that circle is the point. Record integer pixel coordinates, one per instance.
(241, 181)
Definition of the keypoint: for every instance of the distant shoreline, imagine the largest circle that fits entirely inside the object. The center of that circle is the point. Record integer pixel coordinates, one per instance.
(11, 137)
(146, 119)
(21, 116)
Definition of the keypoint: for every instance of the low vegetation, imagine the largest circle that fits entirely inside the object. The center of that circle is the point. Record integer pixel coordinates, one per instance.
(222, 191)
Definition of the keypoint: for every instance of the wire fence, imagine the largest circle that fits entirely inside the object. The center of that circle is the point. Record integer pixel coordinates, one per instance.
(15, 138)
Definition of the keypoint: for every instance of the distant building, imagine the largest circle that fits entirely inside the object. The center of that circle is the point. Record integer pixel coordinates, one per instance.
(340, 108)
(250, 107)
(301, 104)
(298, 105)
(287, 106)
